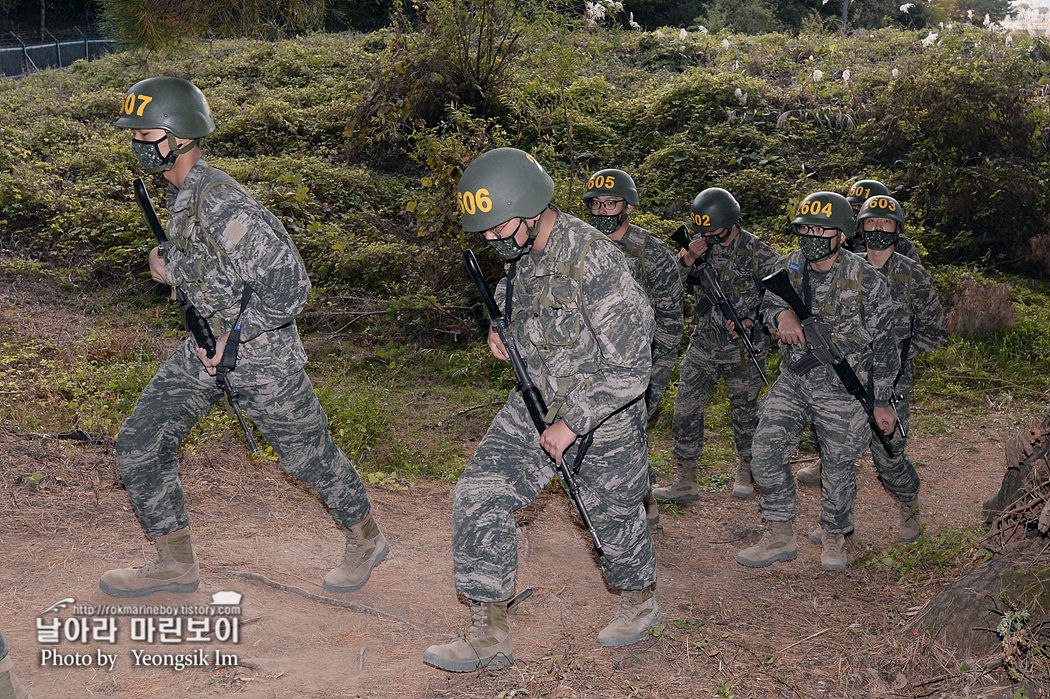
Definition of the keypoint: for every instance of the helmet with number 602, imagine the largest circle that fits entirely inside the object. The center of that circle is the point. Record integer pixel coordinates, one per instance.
(612, 183)
(827, 210)
(172, 104)
(862, 190)
(712, 209)
(499, 185)
(882, 206)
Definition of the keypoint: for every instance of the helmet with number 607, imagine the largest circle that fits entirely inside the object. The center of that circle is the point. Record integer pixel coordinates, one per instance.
(862, 190)
(612, 183)
(827, 210)
(172, 104)
(882, 206)
(712, 209)
(499, 185)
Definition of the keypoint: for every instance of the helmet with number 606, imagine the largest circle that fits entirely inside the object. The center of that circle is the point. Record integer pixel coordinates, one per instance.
(862, 190)
(827, 210)
(712, 209)
(882, 206)
(499, 185)
(172, 104)
(612, 183)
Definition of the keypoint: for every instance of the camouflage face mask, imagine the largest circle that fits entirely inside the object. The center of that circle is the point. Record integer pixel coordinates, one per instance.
(879, 240)
(816, 248)
(149, 157)
(508, 248)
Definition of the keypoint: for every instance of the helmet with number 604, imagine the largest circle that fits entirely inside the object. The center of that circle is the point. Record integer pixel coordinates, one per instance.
(499, 185)
(882, 206)
(827, 210)
(612, 183)
(712, 209)
(862, 190)
(172, 104)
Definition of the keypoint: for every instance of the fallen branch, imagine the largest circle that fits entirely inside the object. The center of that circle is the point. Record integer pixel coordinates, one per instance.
(811, 636)
(310, 595)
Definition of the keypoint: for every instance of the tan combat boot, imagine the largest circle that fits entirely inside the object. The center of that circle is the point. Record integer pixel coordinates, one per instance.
(10, 687)
(809, 474)
(833, 553)
(638, 611)
(485, 645)
(652, 510)
(744, 487)
(366, 547)
(174, 569)
(911, 519)
(685, 489)
(778, 544)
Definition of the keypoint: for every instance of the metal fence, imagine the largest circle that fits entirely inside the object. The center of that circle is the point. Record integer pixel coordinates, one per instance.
(21, 57)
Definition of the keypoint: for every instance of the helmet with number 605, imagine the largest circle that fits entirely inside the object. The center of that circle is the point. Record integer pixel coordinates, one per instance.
(827, 210)
(862, 190)
(172, 104)
(712, 209)
(612, 183)
(882, 206)
(499, 185)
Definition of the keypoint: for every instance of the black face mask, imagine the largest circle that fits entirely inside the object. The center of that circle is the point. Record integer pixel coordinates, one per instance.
(816, 248)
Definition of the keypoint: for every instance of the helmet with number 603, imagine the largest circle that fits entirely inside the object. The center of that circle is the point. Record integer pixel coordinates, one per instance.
(862, 190)
(172, 104)
(827, 210)
(881, 207)
(712, 209)
(502, 184)
(612, 183)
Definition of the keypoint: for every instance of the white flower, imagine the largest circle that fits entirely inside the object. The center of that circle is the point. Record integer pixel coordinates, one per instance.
(811, 57)
(906, 7)
(928, 41)
(632, 23)
(702, 29)
(741, 96)
(969, 14)
(846, 75)
(818, 75)
(682, 35)
(1009, 39)
(895, 73)
(725, 43)
(987, 21)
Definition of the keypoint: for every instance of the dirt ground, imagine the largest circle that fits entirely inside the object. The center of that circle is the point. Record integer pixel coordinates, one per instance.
(789, 630)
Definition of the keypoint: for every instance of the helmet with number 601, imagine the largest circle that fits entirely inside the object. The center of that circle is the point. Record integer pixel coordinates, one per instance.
(882, 206)
(612, 183)
(499, 185)
(862, 190)
(172, 104)
(827, 210)
(712, 209)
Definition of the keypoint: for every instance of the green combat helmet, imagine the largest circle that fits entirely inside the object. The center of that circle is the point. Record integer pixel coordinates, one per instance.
(881, 206)
(173, 105)
(712, 209)
(499, 185)
(862, 190)
(827, 210)
(611, 183)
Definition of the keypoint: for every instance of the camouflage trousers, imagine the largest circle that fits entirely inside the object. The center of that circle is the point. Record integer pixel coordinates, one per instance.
(509, 470)
(897, 473)
(3, 647)
(698, 375)
(659, 380)
(285, 410)
(843, 431)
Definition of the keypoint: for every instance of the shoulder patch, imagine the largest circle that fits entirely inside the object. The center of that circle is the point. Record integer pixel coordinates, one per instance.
(794, 266)
(235, 230)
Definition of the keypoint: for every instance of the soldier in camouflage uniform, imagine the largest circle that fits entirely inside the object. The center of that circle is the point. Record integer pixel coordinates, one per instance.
(10, 687)
(740, 261)
(233, 260)
(854, 300)
(584, 328)
(610, 198)
(918, 324)
(857, 195)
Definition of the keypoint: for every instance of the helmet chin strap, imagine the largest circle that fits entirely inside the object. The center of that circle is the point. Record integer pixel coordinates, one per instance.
(174, 147)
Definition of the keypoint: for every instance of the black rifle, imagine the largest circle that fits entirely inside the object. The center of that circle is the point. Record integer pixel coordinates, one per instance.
(191, 318)
(715, 297)
(534, 402)
(821, 349)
